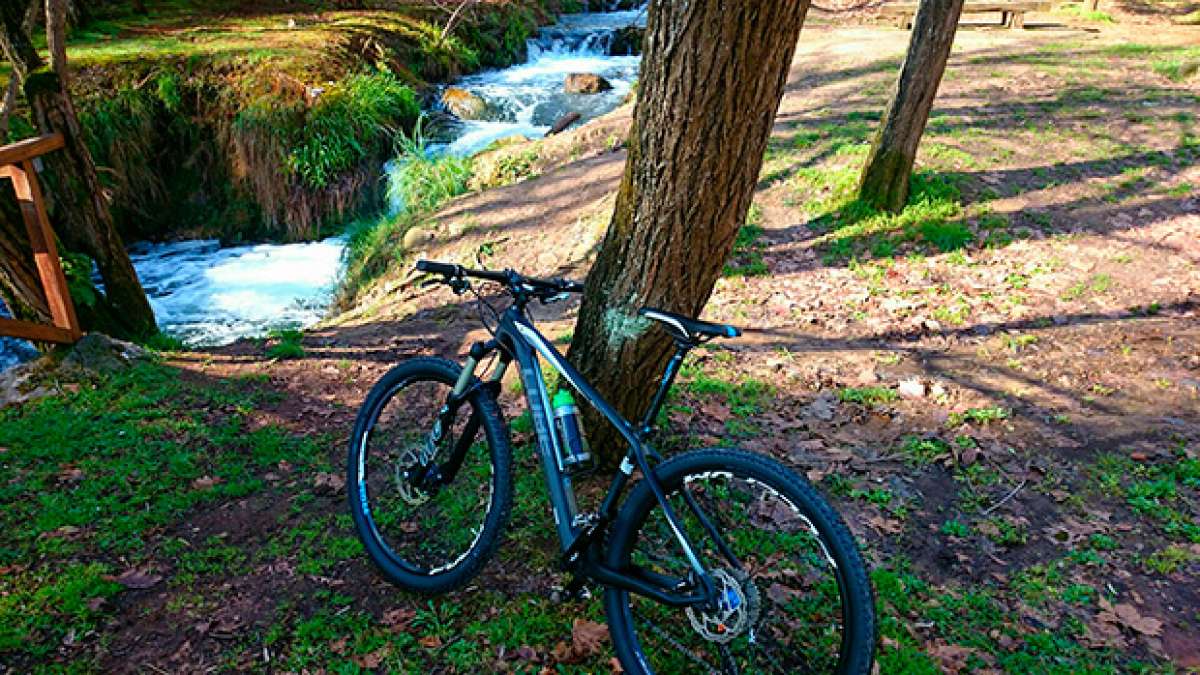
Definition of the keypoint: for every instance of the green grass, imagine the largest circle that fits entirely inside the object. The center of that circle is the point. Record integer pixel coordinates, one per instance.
(106, 468)
(419, 182)
(1078, 11)
(352, 120)
(868, 396)
(285, 345)
(981, 416)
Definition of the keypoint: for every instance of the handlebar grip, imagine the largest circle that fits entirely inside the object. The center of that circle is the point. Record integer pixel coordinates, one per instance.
(439, 268)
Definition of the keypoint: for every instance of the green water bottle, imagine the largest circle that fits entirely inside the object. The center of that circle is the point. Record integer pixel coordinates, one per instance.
(575, 455)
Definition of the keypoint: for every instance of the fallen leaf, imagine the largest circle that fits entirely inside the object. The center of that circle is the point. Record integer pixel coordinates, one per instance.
(205, 483)
(328, 483)
(136, 579)
(372, 660)
(1130, 617)
(397, 619)
(587, 637)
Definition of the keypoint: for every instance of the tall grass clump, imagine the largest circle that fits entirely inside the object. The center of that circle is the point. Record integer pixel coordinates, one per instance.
(351, 122)
(418, 183)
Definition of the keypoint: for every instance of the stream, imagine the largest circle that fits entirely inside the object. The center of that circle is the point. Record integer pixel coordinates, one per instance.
(209, 296)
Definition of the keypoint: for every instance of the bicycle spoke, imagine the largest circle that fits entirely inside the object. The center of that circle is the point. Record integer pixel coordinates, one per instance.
(773, 577)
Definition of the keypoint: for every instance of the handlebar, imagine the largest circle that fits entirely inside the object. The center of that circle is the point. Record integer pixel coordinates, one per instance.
(515, 282)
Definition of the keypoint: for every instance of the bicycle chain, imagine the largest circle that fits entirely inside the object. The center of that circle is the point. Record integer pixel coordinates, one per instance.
(676, 644)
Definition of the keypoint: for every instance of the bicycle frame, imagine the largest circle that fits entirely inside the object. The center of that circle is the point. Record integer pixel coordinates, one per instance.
(516, 338)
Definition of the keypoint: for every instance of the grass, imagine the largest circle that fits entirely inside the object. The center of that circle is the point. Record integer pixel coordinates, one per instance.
(1078, 11)
(352, 121)
(285, 345)
(105, 469)
(868, 396)
(418, 184)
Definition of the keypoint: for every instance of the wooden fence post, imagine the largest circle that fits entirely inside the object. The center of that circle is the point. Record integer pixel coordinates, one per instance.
(16, 164)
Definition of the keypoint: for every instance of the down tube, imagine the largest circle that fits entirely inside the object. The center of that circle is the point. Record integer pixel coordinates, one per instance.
(558, 484)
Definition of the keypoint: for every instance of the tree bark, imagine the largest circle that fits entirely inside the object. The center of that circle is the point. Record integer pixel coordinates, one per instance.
(713, 75)
(84, 221)
(885, 178)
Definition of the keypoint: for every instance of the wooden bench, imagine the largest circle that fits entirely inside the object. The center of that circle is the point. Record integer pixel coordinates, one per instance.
(1012, 14)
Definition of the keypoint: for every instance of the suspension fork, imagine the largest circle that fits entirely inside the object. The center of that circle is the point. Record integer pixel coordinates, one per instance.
(463, 389)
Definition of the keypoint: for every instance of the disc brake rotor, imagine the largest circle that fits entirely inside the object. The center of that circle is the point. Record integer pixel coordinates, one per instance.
(737, 610)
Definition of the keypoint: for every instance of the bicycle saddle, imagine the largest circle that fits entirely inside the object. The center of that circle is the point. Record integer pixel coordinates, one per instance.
(689, 330)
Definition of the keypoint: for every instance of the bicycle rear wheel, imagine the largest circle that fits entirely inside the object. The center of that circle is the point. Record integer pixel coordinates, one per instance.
(794, 591)
(434, 536)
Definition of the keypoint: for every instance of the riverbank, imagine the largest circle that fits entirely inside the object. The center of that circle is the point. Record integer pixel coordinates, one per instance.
(251, 122)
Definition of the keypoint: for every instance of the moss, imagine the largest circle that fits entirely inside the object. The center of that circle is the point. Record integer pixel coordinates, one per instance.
(621, 327)
(41, 82)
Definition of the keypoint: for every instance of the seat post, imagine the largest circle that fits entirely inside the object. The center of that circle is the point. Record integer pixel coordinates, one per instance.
(668, 378)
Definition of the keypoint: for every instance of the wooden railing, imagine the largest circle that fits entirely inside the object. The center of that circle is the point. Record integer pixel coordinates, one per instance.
(17, 164)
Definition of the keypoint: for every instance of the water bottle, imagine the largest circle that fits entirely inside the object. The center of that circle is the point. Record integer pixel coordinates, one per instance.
(575, 455)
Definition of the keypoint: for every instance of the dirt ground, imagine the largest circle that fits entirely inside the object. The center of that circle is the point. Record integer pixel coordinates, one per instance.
(1005, 406)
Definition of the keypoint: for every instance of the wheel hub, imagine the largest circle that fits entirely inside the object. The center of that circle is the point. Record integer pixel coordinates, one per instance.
(736, 611)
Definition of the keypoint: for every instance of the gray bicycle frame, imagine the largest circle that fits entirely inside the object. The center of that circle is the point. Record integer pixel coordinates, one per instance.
(517, 338)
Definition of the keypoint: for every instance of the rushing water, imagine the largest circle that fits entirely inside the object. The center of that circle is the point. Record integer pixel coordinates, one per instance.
(207, 295)
(13, 351)
(527, 99)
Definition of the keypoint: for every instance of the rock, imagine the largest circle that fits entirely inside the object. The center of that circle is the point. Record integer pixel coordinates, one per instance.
(49, 376)
(822, 407)
(564, 122)
(417, 237)
(463, 104)
(911, 388)
(586, 83)
(627, 41)
(98, 353)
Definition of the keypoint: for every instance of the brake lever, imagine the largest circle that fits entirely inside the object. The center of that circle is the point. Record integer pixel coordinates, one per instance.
(456, 284)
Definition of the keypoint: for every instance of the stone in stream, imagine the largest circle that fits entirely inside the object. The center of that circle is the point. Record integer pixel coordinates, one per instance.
(564, 122)
(586, 83)
(463, 104)
(627, 41)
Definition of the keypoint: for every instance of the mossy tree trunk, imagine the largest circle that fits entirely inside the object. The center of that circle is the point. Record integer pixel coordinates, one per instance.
(885, 178)
(83, 221)
(712, 77)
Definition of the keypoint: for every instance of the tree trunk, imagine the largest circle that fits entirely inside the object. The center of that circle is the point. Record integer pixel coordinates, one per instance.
(713, 74)
(885, 178)
(84, 221)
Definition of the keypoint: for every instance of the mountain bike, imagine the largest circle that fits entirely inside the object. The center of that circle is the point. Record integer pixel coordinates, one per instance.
(712, 561)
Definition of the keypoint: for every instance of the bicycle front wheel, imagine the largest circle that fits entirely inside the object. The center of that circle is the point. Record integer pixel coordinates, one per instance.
(793, 594)
(429, 500)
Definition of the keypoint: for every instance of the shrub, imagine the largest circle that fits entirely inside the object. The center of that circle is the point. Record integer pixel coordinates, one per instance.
(351, 122)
